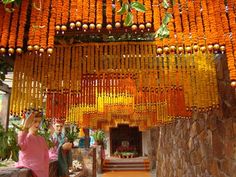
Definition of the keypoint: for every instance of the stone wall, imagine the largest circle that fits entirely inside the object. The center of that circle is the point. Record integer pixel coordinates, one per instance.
(25, 172)
(204, 146)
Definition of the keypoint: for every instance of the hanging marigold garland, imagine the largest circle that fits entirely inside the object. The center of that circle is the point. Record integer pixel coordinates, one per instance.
(44, 25)
(52, 23)
(97, 95)
(2, 14)
(5, 29)
(192, 22)
(22, 23)
(178, 26)
(13, 31)
(200, 28)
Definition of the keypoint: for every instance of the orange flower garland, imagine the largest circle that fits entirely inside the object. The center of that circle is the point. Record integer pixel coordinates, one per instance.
(208, 33)
(92, 11)
(156, 14)
(33, 19)
(148, 13)
(117, 7)
(99, 12)
(135, 14)
(232, 26)
(228, 43)
(212, 22)
(171, 29)
(22, 23)
(13, 29)
(44, 24)
(200, 31)
(2, 14)
(36, 27)
(192, 21)
(65, 12)
(140, 14)
(219, 26)
(5, 30)
(178, 26)
(52, 22)
(59, 12)
(85, 11)
(72, 10)
(109, 11)
(185, 23)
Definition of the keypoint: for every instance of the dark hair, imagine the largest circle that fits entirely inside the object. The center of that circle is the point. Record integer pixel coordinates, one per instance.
(38, 114)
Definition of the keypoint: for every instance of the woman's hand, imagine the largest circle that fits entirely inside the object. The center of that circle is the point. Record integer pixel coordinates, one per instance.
(28, 122)
(67, 146)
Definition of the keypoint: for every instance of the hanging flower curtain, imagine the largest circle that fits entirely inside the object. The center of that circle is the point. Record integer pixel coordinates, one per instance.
(90, 83)
(196, 24)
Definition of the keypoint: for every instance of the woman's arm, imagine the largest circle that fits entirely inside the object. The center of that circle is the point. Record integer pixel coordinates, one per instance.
(22, 139)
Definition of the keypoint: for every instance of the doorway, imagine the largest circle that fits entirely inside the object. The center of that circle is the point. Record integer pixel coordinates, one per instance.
(124, 133)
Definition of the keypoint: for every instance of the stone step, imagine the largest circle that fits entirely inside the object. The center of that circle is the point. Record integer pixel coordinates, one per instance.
(126, 162)
(117, 164)
(126, 165)
(126, 169)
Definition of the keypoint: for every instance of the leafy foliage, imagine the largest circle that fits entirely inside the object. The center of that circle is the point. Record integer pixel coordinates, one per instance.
(44, 132)
(99, 137)
(163, 31)
(137, 6)
(11, 1)
(9, 148)
(4, 68)
(127, 9)
(71, 133)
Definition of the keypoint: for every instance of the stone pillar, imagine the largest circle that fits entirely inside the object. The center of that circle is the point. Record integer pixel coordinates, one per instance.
(4, 112)
(204, 146)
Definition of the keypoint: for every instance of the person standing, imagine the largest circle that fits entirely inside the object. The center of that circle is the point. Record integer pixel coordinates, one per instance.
(33, 152)
(61, 150)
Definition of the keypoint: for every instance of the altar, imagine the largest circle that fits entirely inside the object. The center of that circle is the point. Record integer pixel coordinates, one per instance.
(125, 141)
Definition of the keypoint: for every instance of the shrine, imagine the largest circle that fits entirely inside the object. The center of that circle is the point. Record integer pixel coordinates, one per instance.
(151, 81)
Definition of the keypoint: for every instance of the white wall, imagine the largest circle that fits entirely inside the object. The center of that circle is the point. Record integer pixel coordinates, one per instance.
(107, 150)
(145, 142)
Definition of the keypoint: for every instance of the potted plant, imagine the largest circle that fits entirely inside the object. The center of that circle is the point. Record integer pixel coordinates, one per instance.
(71, 133)
(99, 137)
(9, 146)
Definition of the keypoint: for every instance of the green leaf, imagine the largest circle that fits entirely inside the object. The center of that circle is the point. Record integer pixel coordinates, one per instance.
(167, 18)
(165, 4)
(7, 1)
(123, 9)
(128, 19)
(162, 32)
(138, 6)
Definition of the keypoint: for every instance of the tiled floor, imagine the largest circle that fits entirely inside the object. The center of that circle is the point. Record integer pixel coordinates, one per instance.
(127, 174)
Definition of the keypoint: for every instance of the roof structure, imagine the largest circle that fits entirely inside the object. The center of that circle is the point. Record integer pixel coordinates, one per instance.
(64, 59)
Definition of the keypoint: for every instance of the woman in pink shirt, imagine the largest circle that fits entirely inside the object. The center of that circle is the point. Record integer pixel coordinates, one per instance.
(33, 148)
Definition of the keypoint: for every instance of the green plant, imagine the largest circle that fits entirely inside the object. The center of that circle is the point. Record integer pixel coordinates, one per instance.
(44, 132)
(72, 133)
(4, 68)
(127, 9)
(9, 147)
(99, 137)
